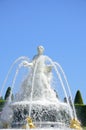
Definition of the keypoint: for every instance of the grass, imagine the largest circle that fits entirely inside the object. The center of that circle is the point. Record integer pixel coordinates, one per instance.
(84, 128)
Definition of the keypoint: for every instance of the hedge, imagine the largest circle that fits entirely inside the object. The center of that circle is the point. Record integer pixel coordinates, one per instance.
(2, 102)
(81, 113)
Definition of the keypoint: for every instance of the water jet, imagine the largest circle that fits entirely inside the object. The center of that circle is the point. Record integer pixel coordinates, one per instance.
(37, 98)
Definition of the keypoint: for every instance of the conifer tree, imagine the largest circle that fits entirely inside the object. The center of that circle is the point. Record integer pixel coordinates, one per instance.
(7, 93)
(78, 98)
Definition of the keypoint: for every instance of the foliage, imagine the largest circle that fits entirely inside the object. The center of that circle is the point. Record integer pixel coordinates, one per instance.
(2, 102)
(81, 113)
(7, 93)
(78, 98)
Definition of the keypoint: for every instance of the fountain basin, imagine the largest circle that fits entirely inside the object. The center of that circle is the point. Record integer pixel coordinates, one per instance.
(44, 113)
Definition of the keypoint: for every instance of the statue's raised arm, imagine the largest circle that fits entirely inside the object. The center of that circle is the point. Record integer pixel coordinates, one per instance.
(40, 50)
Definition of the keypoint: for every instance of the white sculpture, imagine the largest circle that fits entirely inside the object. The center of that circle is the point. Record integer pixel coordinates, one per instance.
(40, 52)
(46, 69)
(42, 80)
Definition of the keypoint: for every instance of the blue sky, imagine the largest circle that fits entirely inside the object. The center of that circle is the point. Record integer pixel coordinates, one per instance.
(58, 25)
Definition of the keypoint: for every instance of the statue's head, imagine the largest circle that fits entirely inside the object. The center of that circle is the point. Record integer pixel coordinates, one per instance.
(40, 50)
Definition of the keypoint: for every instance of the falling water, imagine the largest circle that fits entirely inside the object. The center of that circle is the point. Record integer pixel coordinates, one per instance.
(43, 58)
(36, 98)
(34, 73)
(58, 65)
(17, 60)
(62, 84)
(15, 76)
(33, 77)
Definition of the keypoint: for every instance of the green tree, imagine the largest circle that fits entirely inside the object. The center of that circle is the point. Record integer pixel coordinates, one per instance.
(78, 98)
(7, 93)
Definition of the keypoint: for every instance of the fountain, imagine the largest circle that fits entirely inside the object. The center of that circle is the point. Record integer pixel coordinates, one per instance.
(36, 103)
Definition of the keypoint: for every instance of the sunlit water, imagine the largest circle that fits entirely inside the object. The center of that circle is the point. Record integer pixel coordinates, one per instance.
(36, 97)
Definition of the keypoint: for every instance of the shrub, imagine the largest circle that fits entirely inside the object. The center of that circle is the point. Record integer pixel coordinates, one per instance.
(78, 98)
(81, 113)
(7, 93)
(2, 102)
